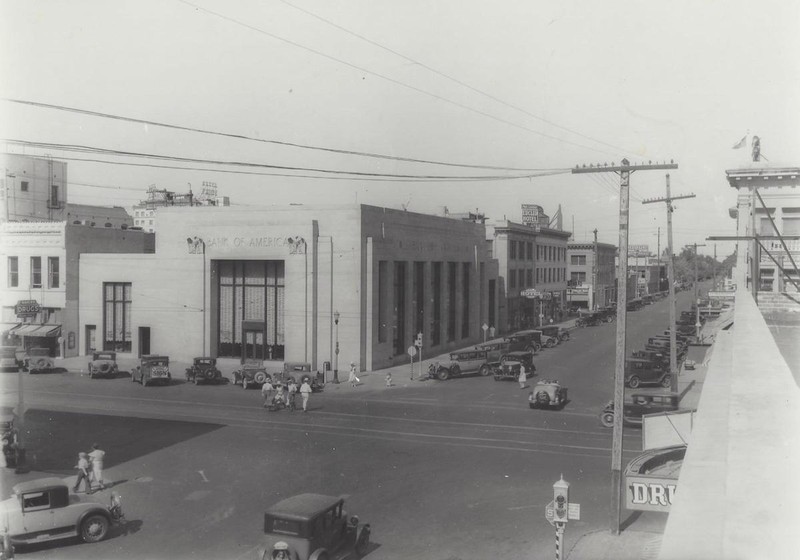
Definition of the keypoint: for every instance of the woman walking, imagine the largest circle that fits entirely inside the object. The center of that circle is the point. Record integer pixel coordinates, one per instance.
(523, 377)
(353, 378)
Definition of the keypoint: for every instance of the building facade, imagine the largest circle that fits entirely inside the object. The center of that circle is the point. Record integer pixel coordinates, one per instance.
(40, 271)
(584, 260)
(769, 265)
(533, 260)
(323, 285)
(34, 189)
(145, 213)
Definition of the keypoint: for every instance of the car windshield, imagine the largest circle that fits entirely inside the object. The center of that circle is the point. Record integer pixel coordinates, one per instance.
(158, 362)
(205, 362)
(103, 357)
(283, 526)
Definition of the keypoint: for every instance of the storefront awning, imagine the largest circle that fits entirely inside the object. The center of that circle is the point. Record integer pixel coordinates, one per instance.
(30, 329)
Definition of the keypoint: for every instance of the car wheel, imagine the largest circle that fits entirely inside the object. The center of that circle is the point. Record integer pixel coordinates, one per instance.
(456, 370)
(442, 374)
(565, 337)
(261, 378)
(633, 382)
(666, 382)
(484, 371)
(550, 343)
(94, 528)
(607, 419)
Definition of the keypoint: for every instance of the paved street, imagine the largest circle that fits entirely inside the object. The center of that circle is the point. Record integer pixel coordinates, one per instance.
(442, 470)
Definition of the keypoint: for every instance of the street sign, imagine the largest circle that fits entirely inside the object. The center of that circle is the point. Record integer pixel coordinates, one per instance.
(412, 351)
(485, 327)
(574, 511)
(549, 513)
(27, 308)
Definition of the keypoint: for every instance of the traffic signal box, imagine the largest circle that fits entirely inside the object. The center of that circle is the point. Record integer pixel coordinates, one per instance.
(561, 500)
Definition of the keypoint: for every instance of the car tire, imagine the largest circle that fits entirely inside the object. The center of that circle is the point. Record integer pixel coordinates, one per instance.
(94, 528)
(550, 343)
(442, 374)
(565, 337)
(607, 419)
(484, 371)
(666, 382)
(260, 378)
(634, 382)
(455, 370)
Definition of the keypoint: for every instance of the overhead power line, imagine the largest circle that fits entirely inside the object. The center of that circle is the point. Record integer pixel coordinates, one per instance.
(448, 77)
(350, 175)
(391, 80)
(261, 140)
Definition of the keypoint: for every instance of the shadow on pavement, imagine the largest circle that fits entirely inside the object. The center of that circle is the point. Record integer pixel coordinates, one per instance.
(53, 439)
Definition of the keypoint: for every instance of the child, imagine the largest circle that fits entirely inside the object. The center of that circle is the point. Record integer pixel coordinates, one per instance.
(83, 473)
(389, 379)
(279, 398)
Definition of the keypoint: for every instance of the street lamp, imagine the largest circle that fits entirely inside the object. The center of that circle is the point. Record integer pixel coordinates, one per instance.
(336, 352)
(196, 244)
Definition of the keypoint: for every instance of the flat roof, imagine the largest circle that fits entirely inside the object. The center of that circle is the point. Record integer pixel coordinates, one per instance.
(39, 484)
(302, 506)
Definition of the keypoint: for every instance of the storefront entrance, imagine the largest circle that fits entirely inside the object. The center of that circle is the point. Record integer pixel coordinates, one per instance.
(253, 347)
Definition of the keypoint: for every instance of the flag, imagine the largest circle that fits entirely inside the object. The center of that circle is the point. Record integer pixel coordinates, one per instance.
(741, 143)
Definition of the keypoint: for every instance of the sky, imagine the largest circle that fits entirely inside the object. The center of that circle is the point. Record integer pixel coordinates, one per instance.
(524, 90)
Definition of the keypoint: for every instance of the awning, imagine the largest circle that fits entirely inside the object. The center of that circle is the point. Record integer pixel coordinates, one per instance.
(30, 329)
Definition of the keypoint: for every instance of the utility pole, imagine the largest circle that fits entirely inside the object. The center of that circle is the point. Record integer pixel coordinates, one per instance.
(673, 357)
(714, 268)
(594, 272)
(624, 171)
(658, 257)
(696, 291)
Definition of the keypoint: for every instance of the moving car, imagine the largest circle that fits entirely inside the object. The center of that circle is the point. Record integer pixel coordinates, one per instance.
(313, 527)
(152, 369)
(640, 405)
(559, 333)
(547, 394)
(645, 372)
(38, 360)
(509, 364)
(203, 370)
(462, 363)
(103, 364)
(43, 510)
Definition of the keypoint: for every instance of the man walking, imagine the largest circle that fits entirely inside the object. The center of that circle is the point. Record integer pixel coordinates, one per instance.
(305, 391)
(96, 457)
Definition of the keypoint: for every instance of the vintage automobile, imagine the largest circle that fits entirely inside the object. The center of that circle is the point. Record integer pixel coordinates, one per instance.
(251, 373)
(495, 349)
(508, 366)
(634, 304)
(103, 364)
(10, 438)
(313, 527)
(656, 357)
(593, 318)
(152, 369)
(639, 405)
(43, 510)
(462, 363)
(8, 358)
(526, 341)
(645, 372)
(38, 360)
(203, 370)
(300, 372)
(546, 394)
(559, 333)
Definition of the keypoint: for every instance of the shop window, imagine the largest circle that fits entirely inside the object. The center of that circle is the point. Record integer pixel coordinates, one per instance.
(23, 186)
(53, 276)
(117, 316)
(36, 272)
(13, 272)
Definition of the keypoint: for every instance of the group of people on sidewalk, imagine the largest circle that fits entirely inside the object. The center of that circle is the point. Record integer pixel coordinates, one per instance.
(286, 397)
(90, 469)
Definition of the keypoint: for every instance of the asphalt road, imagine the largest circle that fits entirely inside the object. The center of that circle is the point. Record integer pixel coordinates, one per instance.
(460, 469)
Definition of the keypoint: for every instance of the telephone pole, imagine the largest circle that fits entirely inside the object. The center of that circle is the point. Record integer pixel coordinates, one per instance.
(658, 257)
(594, 272)
(696, 292)
(673, 357)
(624, 171)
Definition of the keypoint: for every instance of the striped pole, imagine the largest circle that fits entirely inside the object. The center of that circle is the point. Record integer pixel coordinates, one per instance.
(559, 535)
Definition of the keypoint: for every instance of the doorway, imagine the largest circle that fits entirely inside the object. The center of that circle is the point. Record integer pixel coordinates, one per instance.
(90, 338)
(144, 341)
(253, 347)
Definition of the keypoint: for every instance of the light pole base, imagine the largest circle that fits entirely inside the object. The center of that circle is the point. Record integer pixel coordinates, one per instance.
(335, 377)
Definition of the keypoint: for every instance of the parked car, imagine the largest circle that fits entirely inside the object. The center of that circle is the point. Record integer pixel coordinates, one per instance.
(495, 349)
(634, 304)
(509, 364)
(43, 510)
(103, 364)
(559, 333)
(152, 369)
(251, 373)
(462, 363)
(528, 341)
(657, 357)
(645, 372)
(593, 319)
(313, 527)
(203, 370)
(38, 360)
(8, 358)
(639, 405)
(547, 394)
(301, 371)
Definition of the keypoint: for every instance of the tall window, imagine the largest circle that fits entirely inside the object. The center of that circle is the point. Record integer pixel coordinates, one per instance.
(529, 278)
(53, 279)
(577, 259)
(419, 297)
(465, 300)
(382, 298)
(529, 250)
(521, 282)
(117, 316)
(399, 318)
(251, 291)
(54, 196)
(436, 303)
(13, 272)
(36, 272)
(451, 301)
(512, 279)
(513, 249)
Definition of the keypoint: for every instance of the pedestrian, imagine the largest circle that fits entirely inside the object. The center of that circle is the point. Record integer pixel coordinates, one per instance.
(491, 331)
(389, 379)
(305, 391)
(353, 378)
(523, 377)
(96, 457)
(83, 473)
(266, 392)
(291, 392)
